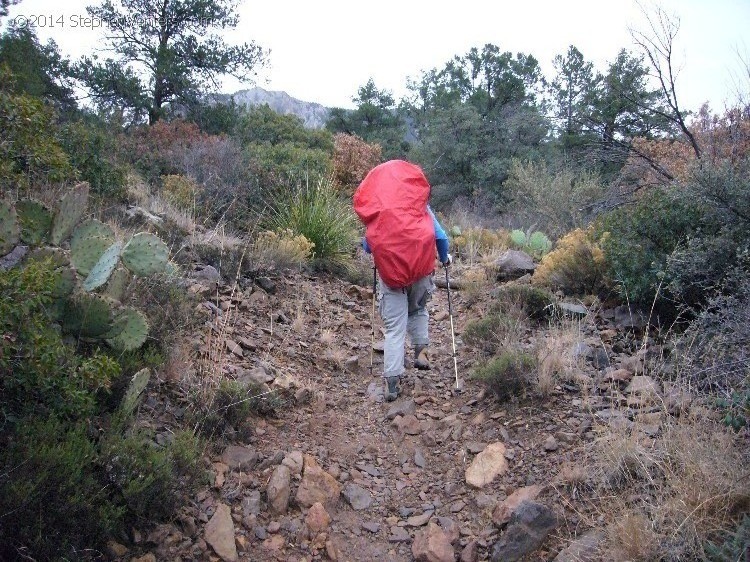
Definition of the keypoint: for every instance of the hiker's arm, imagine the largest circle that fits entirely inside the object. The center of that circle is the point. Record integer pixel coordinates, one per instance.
(366, 246)
(441, 239)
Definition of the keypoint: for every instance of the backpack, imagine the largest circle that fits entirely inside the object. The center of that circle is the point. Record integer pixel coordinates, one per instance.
(392, 203)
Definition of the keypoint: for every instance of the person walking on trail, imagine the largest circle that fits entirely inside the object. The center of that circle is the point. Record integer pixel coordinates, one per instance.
(403, 236)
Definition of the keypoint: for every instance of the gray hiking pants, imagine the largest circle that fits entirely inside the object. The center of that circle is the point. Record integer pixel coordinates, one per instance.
(403, 311)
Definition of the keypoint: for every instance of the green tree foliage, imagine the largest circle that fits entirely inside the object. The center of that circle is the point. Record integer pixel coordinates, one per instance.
(38, 70)
(4, 4)
(572, 91)
(376, 120)
(625, 107)
(473, 116)
(167, 52)
(216, 118)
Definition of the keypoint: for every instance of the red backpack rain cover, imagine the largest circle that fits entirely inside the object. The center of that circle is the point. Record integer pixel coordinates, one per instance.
(392, 203)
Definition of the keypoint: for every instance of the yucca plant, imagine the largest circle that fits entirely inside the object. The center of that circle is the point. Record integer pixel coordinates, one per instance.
(320, 214)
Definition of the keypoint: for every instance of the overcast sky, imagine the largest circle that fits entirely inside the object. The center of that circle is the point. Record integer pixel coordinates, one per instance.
(324, 50)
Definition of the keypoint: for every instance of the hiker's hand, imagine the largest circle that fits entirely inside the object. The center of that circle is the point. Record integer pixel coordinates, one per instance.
(448, 261)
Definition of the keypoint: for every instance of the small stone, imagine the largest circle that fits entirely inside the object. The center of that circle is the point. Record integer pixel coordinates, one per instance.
(487, 465)
(239, 458)
(317, 518)
(356, 496)
(371, 526)
(220, 533)
(278, 489)
(419, 459)
(551, 444)
(116, 550)
(401, 408)
(294, 461)
(419, 520)
(432, 545)
(398, 534)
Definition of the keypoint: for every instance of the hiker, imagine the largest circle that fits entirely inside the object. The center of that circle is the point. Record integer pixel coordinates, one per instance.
(402, 234)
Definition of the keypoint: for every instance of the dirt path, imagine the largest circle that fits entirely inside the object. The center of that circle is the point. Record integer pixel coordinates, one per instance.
(406, 460)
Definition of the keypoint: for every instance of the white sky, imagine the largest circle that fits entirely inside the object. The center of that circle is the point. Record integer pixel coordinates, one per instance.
(323, 51)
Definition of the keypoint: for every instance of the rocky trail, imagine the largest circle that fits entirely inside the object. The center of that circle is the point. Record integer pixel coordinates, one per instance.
(339, 474)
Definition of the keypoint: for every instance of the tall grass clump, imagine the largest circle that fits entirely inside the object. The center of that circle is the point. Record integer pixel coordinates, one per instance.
(318, 213)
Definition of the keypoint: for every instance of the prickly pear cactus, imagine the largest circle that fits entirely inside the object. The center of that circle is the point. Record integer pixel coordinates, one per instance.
(88, 315)
(103, 269)
(136, 387)
(118, 282)
(90, 240)
(35, 220)
(129, 330)
(539, 243)
(70, 209)
(9, 231)
(145, 254)
(65, 282)
(518, 237)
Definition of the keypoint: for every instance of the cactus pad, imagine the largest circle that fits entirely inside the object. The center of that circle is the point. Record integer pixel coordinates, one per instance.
(35, 220)
(89, 241)
(8, 227)
(101, 272)
(88, 315)
(65, 282)
(518, 237)
(118, 282)
(145, 254)
(69, 211)
(129, 330)
(539, 243)
(136, 387)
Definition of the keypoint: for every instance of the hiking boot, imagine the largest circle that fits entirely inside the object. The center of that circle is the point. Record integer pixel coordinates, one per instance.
(391, 389)
(421, 361)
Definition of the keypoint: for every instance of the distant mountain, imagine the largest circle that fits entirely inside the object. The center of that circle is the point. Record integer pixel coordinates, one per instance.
(313, 115)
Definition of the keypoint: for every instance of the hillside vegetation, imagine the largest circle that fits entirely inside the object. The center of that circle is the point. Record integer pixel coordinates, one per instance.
(189, 363)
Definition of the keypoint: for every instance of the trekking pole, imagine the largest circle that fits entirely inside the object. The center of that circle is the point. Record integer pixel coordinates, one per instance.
(372, 316)
(453, 333)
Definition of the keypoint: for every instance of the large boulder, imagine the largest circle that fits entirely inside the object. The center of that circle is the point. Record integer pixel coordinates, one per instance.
(514, 264)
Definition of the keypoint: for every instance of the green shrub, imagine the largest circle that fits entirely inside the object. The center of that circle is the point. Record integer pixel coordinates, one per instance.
(52, 504)
(537, 303)
(325, 219)
(637, 241)
(91, 150)
(147, 477)
(41, 372)
(492, 332)
(30, 153)
(507, 375)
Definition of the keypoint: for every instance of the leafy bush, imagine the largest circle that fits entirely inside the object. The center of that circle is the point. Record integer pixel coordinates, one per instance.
(536, 302)
(52, 503)
(735, 546)
(149, 479)
(42, 374)
(576, 266)
(91, 150)
(552, 199)
(283, 249)
(179, 190)
(30, 153)
(322, 217)
(722, 240)
(637, 241)
(507, 375)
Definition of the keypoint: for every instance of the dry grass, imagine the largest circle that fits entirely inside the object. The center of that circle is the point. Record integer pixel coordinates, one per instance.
(475, 282)
(555, 357)
(667, 497)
